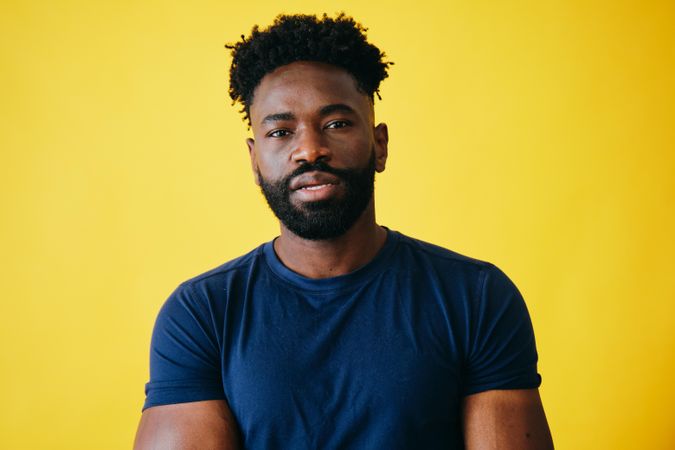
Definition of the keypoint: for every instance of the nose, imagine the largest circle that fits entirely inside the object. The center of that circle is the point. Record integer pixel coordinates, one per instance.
(310, 147)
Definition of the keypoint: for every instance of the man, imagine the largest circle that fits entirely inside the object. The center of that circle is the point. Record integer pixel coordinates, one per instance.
(339, 333)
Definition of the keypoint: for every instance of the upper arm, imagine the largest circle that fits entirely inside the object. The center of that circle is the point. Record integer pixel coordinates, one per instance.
(501, 350)
(505, 419)
(203, 425)
(184, 352)
(185, 406)
(502, 408)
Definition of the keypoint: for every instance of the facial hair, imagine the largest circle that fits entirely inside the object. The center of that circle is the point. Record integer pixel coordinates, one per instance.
(323, 219)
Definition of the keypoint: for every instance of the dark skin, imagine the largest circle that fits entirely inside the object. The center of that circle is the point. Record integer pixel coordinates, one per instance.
(300, 113)
(303, 112)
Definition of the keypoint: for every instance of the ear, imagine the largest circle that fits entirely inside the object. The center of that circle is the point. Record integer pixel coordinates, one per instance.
(381, 134)
(250, 143)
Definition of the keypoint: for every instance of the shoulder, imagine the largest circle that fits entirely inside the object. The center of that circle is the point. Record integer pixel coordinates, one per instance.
(441, 263)
(210, 289)
(437, 252)
(439, 256)
(198, 304)
(231, 269)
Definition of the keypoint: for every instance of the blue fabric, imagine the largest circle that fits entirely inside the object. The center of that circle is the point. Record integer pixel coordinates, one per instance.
(378, 358)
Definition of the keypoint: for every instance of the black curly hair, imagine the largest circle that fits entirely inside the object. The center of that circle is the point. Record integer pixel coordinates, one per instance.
(340, 41)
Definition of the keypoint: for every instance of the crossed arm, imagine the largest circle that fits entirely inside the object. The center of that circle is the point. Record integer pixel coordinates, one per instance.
(505, 419)
(498, 419)
(205, 425)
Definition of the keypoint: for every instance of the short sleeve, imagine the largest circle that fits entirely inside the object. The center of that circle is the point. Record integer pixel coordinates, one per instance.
(184, 353)
(502, 349)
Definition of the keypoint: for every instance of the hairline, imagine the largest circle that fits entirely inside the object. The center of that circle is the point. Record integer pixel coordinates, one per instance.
(249, 102)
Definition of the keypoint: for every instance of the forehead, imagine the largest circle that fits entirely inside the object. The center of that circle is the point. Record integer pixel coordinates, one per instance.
(304, 87)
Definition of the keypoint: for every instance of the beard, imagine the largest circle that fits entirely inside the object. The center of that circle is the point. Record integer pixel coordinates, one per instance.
(324, 219)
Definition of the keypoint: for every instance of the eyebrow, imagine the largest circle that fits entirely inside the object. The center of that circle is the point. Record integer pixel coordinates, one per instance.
(324, 111)
(277, 117)
(336, 107)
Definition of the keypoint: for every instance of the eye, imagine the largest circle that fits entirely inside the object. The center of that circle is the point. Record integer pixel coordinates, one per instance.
(278, 133)
(338, 124)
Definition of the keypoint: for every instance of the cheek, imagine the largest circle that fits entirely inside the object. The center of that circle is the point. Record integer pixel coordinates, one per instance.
(271, 165)
(356, 152)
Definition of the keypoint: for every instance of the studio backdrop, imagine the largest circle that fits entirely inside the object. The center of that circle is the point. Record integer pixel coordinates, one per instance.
(535, 135)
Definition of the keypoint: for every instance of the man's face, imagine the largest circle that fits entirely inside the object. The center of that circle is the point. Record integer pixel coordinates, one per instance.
(315, 150)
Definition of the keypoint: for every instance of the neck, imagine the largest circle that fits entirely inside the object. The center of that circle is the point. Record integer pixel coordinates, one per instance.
(332, 257)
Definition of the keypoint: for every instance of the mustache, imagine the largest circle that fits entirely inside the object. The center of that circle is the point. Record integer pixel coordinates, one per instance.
(318, 166)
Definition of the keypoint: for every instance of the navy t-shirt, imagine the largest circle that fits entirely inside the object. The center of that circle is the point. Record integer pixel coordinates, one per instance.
(378, 358)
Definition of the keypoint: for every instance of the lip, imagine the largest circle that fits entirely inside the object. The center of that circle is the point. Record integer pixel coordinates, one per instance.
(316, 192)
(313, 181)
(315, 186)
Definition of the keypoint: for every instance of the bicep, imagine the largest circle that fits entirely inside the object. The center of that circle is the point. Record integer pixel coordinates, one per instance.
(184, 352)
(200, 425)
(505, 419)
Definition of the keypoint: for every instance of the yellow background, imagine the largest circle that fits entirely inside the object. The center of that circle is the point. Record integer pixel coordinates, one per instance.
(535, 135)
